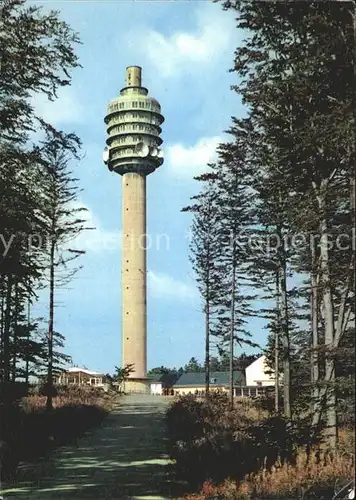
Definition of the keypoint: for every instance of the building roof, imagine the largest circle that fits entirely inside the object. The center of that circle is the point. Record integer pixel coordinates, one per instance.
(166, 379)
(260, 359)
(217, 379)
(74, 369)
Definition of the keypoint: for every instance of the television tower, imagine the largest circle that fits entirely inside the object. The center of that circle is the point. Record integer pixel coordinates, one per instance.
(133, 123)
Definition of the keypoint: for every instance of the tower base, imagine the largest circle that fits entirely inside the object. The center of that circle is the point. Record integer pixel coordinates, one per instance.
(137, 386)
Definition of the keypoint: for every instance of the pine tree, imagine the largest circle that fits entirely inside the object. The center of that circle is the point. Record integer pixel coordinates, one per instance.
(234, 211)
(205, 251)
(193, 366)
(62, 223)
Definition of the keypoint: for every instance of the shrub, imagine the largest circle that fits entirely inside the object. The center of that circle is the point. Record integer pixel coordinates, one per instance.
(202, 436)
(209, 440)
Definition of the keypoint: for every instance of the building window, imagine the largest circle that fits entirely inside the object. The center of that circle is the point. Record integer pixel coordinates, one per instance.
(134, 104)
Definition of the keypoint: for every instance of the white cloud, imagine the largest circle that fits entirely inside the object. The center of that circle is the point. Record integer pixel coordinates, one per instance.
(190, 161)
(95, 239)
(66, 109)
(162, 285)
(170, 55)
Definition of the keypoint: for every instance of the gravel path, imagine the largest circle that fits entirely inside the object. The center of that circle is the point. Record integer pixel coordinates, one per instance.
(122, 459)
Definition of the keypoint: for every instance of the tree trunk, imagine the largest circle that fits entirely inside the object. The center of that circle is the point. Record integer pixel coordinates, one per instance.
(49, 403)
(6, 334)
(27, 364)
(352, 198)
(15, 318)
(2, 312)
(328, 309)
(341, 325)
(232, 331)
(5, 389)
(282, 264)
(207, 320)
(207, 344)
(314, 308)
(276, 346)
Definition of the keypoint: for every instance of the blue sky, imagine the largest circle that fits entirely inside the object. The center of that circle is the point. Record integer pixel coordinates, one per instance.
(185, 50)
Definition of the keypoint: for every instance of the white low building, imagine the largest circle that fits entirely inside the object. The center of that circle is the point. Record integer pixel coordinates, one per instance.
(81, 376)
(256, 373)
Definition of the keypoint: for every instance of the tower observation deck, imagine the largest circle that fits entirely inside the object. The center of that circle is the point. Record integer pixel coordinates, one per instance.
(134, 126)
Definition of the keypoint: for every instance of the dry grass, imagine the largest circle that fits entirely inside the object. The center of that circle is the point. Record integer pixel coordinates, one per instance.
(310, 474)
(309, 470)
(347, 440)
(68, 396)
(247, 408)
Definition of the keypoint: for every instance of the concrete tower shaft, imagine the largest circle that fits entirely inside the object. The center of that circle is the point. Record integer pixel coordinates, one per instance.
(134, 274)
(133, 150)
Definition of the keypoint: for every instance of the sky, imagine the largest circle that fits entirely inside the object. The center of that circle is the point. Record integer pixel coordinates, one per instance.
(186, 50)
